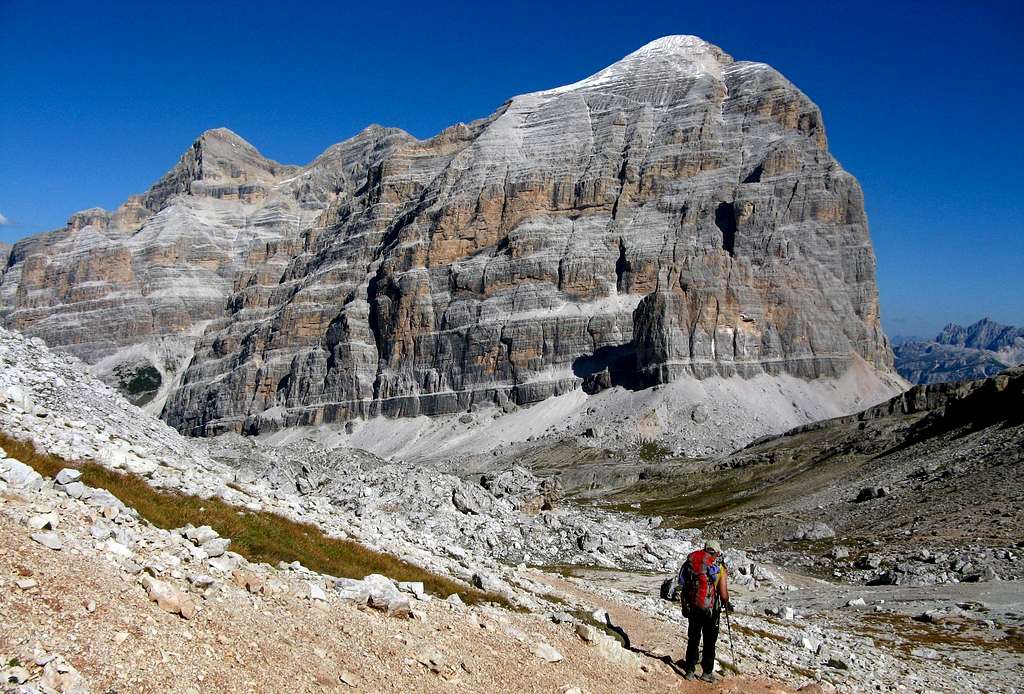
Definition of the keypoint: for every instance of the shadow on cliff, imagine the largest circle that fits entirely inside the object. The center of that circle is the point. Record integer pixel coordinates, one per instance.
(608, 367)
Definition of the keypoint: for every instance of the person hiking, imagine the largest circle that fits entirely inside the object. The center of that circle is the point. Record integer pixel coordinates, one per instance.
(704, 586)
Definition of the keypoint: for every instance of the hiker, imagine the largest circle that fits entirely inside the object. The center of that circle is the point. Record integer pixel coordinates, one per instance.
(704, 586)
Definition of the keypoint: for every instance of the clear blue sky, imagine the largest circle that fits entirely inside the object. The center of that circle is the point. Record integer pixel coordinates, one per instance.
(922, 102)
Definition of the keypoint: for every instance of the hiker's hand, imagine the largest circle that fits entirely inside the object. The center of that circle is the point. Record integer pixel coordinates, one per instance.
(728, 607)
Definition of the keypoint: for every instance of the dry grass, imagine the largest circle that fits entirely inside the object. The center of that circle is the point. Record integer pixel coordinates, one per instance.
(259, 536)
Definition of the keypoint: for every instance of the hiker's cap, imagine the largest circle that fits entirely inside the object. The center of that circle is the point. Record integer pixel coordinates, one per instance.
(713, 546)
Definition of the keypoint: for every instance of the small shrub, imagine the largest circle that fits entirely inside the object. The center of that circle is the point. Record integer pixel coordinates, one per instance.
(138, 381)
(652, 451)
(259, 536)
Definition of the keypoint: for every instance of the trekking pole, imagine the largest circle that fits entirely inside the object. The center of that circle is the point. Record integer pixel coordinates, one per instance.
(732, 648)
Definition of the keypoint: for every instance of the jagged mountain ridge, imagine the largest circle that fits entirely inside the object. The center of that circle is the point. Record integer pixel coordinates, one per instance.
(675, 215)
(961, 353)
(985, 334)
(134, 288)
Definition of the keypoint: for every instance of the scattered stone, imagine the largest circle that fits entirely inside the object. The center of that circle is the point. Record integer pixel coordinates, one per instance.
(16, 674)
(76, 490)
(50, 540)
(869, 493)
(44, 521)
(316, 592)
(808, 643)
(201, 581)
(169, 598)
(224, 564)
(250, 582)
(856, 602)
(586, 632)
(99, 532)
(699, 414)
(547, 652)
(393, 605)
(782, 612)
(432, 659)
(216, 547)
(18, 474)
(60, 676)
(886, 578)
(26, 583)
(868, 561)
(811, 531)
(117, 549)
(67, 476)
(352, 590)
(201, 535)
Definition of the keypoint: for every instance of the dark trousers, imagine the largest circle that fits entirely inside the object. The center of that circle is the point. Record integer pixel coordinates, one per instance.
(702, 624)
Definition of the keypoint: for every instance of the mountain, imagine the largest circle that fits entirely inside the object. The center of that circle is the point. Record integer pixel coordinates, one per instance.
(958, 353)
(130, 291)
(676, 217)
(985, 334)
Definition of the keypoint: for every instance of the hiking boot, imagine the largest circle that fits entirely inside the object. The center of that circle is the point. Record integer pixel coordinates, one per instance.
(708, 677)
(691, 675)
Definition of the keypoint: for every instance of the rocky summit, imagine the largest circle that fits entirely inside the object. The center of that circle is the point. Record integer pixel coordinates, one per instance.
(675, 217)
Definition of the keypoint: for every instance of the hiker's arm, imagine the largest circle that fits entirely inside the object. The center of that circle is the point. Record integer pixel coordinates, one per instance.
(723, 587)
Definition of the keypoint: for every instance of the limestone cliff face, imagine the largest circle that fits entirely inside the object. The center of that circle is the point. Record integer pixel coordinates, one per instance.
(133, 288)
(677, 214)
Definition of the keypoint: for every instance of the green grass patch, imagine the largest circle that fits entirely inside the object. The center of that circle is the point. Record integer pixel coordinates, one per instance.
(259, 536)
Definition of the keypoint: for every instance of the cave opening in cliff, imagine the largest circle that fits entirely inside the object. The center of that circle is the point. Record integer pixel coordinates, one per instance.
(609, 366)
(621, 266)
(725, 220)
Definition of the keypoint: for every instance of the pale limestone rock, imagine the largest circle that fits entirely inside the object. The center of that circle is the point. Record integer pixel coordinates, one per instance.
(18, 474)
(169, 598)
(67, 476)
(50, 540)
(43, 521)
(675, 216)
(547, 652)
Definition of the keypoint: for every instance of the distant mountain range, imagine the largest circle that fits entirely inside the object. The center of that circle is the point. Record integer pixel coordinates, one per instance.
(958, 353)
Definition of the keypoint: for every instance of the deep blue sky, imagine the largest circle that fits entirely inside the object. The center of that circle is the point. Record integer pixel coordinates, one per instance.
(922, 102)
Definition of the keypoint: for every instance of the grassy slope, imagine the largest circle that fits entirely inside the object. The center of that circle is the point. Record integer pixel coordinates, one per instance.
(259, 536)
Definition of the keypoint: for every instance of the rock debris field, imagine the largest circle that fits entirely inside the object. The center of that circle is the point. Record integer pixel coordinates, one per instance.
(94, 598)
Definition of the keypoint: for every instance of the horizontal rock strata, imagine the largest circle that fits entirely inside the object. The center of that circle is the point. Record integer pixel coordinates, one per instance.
(676, 215)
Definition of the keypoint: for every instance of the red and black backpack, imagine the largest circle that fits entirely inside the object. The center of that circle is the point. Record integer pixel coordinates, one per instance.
(698, 581)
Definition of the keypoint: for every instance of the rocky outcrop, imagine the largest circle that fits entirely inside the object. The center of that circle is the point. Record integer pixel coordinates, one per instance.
(961, 354)
(676, 215)
(130, 290)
